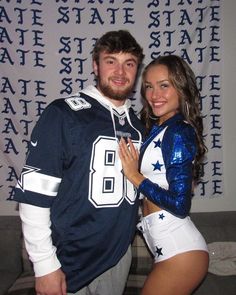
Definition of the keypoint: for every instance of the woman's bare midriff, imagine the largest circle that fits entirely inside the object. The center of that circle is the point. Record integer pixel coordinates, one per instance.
(149, 207)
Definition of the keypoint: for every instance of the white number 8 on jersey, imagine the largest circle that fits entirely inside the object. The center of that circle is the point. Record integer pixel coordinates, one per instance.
(108, 187)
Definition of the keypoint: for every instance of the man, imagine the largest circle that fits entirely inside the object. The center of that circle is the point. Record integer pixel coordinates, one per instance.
(78, 210)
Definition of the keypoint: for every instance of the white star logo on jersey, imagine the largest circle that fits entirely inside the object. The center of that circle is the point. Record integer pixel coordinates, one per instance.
(26, 170)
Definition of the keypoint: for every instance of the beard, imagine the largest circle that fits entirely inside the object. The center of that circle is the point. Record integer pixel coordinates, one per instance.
(112, 93)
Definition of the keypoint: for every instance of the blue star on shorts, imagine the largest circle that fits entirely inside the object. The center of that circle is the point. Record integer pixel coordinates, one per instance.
(161, 216)
(158, 251)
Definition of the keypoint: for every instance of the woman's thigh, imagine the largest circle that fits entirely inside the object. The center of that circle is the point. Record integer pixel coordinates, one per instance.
(179, 275)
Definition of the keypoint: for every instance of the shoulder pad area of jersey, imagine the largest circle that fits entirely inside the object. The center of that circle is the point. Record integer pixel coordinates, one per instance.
(77, 103)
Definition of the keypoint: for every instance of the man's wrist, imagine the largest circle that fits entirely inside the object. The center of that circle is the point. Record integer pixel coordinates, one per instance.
(44, 267)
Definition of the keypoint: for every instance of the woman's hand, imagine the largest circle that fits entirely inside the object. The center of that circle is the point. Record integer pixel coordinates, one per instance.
(129, 156)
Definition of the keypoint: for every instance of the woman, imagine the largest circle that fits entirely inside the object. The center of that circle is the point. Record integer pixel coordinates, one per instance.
(170, 165)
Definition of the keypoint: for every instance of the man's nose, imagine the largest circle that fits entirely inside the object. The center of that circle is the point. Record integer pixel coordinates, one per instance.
(120, 69)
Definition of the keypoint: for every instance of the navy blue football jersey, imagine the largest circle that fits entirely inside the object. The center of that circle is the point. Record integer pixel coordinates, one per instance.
(73, 168)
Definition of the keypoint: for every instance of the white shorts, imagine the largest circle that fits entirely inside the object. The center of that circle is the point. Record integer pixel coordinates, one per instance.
(167, 235)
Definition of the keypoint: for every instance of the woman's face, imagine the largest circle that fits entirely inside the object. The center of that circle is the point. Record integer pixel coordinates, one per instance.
(160, 93)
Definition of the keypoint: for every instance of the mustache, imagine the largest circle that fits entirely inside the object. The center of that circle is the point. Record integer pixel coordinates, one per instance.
(119, 78)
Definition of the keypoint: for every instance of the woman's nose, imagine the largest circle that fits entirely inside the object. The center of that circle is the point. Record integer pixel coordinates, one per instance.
(155, 93)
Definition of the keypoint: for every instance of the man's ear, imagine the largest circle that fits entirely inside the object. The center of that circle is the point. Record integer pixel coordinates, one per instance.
(95, 68)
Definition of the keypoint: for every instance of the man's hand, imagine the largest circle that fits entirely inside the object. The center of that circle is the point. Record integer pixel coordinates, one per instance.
(51, 284)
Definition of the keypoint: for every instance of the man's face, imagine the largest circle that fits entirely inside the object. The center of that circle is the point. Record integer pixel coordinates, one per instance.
(116, 73)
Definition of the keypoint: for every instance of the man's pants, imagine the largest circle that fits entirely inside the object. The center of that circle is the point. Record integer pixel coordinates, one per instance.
(112, 281)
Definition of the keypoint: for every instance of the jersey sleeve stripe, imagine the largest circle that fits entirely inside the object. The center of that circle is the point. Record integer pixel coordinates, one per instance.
(39, 183)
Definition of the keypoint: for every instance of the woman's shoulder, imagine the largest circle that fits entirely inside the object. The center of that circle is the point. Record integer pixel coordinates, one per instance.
(180, 129)
(179, 141)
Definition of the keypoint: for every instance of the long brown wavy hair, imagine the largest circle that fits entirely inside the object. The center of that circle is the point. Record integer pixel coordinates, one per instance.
(184, 81)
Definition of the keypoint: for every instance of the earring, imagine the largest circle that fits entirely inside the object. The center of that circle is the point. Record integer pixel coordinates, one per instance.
(186, 106)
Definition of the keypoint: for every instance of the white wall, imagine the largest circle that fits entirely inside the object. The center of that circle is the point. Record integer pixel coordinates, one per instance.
(228, 201)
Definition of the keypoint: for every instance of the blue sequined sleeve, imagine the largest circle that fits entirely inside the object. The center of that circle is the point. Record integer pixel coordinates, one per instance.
(179, 149)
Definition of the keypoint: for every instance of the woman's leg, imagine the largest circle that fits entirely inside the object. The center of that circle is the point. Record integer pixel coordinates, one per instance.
(178, 275)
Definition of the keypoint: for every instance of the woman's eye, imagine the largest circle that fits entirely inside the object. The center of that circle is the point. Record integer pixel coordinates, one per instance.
(148, 88)
(164, 85)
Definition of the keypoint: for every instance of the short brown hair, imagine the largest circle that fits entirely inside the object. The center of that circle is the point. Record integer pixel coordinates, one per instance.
(115, 42)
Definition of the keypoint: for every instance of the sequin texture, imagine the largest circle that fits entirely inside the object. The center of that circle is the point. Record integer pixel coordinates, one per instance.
(166, 160)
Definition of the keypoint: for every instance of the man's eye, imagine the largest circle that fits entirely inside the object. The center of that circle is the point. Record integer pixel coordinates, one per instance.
(130, 64)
